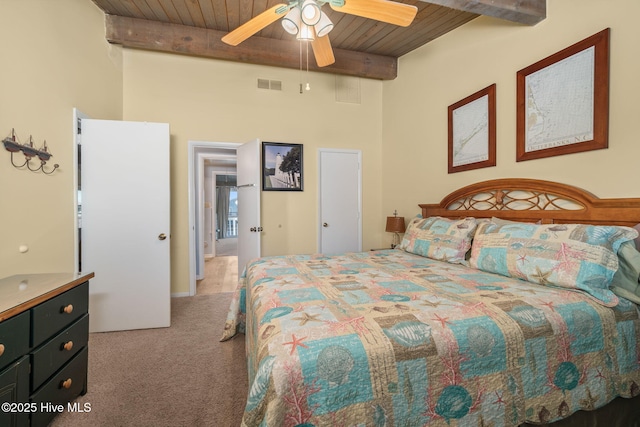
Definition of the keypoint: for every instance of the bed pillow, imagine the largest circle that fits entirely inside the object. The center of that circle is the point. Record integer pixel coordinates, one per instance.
(573, 256)
(625, 281)
(439, 238)
(637, 239)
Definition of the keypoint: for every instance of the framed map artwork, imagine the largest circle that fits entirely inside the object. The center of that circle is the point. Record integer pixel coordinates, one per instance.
(472, 131)
(563, 101)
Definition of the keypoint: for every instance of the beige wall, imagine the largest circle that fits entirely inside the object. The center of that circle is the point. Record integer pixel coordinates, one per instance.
(54, 58)
(218, 101)
(487, 51)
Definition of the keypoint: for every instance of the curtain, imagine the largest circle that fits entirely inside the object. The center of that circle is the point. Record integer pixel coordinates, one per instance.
(222, 209)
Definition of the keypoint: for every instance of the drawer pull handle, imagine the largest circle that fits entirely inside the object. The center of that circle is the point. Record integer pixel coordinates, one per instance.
(68, 309)
(66, 383)
(67, 346)
(1, 349)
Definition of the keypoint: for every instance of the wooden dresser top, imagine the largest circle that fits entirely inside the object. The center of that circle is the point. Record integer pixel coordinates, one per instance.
(21, 292)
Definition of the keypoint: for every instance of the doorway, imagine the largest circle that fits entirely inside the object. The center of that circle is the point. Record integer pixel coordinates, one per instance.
(220, 229)
(224, 215)
(122, 238)
(212, 267)
(246, 157)
(340, 208)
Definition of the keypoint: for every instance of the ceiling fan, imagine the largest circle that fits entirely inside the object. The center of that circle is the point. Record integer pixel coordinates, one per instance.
(305, 19)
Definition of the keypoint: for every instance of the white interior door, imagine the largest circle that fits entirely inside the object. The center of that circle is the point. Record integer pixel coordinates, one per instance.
(125, 235)
(340, 228)
(249, 229)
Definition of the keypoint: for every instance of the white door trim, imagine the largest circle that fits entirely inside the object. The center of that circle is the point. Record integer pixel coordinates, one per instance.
(195, 149)
(339, 150)
(77, 140)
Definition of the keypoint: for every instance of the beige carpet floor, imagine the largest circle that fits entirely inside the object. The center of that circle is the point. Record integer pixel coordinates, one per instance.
(176, 376)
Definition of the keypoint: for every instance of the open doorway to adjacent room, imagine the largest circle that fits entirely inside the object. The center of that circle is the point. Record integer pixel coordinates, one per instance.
(213, 218)
(220, 231)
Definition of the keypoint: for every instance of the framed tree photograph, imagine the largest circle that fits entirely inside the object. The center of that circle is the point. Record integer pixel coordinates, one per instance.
(472, 131)
(563, 101)
(282, 167)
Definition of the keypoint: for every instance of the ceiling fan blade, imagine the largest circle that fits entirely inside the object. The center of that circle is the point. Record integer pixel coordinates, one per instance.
(322, 51)
(255, 24)
(381, 10)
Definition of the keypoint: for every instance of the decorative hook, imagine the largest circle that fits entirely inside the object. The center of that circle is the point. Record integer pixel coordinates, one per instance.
(13, 146)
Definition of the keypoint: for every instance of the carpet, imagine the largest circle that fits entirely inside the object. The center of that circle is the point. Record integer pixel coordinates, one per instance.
(176, 376)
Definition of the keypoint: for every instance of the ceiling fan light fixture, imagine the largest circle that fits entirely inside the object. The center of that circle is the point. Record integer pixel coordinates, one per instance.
(324, 25)
(306, 33)
(310, 12)
(291, 21)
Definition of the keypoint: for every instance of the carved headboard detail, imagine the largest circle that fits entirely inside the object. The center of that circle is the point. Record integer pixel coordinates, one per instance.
(532, 200)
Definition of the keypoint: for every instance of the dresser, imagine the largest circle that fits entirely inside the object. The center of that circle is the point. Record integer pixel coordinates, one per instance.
(44, 334)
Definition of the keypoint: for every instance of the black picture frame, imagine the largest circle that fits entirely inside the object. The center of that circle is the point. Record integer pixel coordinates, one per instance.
(282, 167)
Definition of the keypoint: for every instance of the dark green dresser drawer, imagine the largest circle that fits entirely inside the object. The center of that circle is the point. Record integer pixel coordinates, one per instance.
(63, 387)
(14, 388)
(14, 338)
(49, 357)
(50, 317)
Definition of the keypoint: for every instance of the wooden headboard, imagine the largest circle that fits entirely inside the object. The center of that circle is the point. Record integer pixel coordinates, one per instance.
(532, 200)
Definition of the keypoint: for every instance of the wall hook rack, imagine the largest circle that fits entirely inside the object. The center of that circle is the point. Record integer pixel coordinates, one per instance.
(13, 146)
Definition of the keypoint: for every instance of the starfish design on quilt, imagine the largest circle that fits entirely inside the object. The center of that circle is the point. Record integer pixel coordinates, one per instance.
(589, 402)
(295, 342)
(499, 399)
(306, 317)
(443, 320)
(541, 277)
(550, 305)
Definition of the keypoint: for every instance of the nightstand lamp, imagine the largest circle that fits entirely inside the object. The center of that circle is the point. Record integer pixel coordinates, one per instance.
(395, 225)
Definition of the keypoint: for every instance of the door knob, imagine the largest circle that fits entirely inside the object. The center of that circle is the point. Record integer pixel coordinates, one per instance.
(162, 236)
(252, 229)
(324, 224)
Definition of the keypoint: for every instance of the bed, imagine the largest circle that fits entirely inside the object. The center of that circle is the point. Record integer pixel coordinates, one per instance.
(511, 301)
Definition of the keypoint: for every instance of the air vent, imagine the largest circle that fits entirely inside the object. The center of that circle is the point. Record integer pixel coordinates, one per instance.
(348, 89)
(275, 84)
(269, 84)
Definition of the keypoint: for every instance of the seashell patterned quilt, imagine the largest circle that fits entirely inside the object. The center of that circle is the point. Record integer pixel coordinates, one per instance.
(388, 338)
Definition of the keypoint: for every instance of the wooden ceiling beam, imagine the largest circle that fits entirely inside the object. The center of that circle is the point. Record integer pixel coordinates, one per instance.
(528, 12)
(187, 40)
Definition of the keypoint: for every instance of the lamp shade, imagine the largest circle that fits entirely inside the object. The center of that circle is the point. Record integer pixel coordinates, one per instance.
(291, 21)
(306, 32)
(395, 224)
(310, 12)
(324, 26)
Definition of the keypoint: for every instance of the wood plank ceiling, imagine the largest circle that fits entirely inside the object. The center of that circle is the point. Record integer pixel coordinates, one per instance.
(362, 47)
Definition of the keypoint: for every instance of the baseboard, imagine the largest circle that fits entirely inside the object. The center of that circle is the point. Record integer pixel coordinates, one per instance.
(179, 294)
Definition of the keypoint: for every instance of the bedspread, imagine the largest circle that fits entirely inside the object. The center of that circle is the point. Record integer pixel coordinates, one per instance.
(386, 338)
